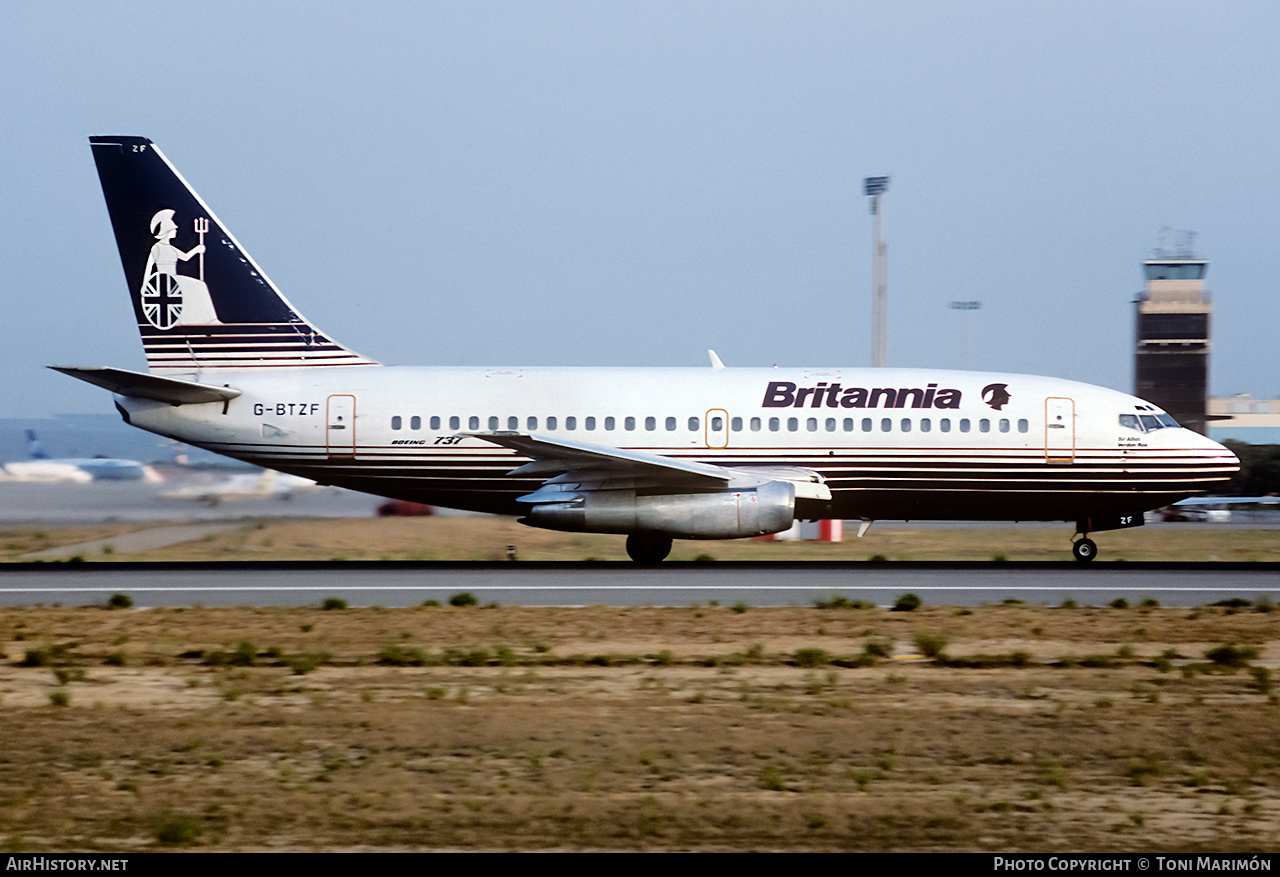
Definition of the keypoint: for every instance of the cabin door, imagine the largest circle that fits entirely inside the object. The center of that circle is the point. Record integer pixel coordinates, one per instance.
(1059, 429)
(340, 428)
(717, 428)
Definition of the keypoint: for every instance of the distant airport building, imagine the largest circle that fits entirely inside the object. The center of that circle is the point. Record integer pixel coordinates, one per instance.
(1171, 366)
(1245, 419)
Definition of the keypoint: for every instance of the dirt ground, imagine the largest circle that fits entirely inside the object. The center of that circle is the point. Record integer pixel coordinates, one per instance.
(1000, 728)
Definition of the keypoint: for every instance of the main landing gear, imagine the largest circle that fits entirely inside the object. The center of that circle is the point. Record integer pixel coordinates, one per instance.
(648, 547)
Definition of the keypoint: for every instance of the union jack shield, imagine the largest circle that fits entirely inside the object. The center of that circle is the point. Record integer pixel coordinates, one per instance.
(162, 300)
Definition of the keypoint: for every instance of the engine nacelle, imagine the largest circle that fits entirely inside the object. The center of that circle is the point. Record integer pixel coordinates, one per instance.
(727, 514)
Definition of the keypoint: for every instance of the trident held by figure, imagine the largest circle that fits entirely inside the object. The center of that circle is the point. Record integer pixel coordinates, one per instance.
(201, 226)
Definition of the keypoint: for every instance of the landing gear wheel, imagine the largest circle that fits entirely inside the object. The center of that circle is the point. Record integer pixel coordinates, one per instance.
(1085, 550)
(648, 547)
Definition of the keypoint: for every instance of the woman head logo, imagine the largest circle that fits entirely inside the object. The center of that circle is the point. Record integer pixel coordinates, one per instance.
(996, 395)
(163, 226)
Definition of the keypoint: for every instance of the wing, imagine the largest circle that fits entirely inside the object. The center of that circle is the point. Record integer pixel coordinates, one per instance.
(595, 467)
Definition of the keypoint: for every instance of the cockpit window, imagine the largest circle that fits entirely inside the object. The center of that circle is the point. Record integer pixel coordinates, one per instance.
(1147, 422)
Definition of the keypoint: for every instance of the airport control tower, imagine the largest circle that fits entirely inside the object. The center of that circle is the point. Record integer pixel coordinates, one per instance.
(1171, 366)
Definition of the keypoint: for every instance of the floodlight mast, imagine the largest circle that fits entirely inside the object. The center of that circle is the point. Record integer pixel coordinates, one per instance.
(965, 306)
(874, 187)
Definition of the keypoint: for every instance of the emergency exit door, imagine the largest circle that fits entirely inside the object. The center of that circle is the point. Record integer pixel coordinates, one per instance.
(717, 435)
(340, 429)
(1059, 429)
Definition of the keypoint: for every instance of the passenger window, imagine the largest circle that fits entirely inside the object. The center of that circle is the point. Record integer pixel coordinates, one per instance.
(671, 424)
(1023, 426)
(473, 422)
(848, 424)
(493, 422)
(415, 422)
(925, 424)
(906, 424)
(755, 424)
(831, 424)
(532, 424)
(964, 424)
(1004, 425)
(945, 424)
(793, 424)
(651, 423)
(629, 423)
(736, 424)
(609, 423)
(774, 423)
(886, 424)
(866, 424)
(435, 421)
(589, 423)
(551, 423)
(571, 423)
(693, 424)
(984, 425)
(513, 423)
(811, 424)
(455, 422)
(395, 422)
(717, 424)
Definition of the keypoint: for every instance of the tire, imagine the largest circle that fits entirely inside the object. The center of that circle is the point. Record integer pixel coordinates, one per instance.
(1085, 550)
(648, 547)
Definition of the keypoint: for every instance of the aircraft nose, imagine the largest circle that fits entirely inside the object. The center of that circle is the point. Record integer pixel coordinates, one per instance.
(1223, 458)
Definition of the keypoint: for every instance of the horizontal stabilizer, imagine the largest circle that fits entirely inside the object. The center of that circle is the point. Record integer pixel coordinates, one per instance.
(144, 386)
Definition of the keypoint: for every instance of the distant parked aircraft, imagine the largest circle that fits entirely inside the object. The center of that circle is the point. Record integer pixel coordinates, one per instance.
(40, 467)
(266, 485)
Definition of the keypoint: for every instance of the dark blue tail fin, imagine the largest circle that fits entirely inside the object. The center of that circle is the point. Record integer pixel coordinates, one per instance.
(34, 449)
(200, 299)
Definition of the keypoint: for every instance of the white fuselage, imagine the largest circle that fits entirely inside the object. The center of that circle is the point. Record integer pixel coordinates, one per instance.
(890, 443)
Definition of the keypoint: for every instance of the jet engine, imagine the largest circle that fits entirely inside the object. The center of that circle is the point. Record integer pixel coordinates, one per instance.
(721, 514)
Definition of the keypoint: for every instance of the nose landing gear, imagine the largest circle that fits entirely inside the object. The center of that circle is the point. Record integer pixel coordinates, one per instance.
(1084, 549)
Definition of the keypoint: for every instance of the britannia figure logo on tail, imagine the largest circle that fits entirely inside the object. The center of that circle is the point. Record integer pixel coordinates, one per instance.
(168, 298)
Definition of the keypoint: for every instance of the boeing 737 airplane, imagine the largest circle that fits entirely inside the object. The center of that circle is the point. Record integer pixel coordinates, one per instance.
(653, 453)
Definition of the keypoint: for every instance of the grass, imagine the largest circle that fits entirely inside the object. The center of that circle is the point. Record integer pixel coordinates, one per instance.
(486, 538)
(636, 728)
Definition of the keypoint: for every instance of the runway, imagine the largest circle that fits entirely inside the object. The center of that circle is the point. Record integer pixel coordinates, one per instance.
(624, 584)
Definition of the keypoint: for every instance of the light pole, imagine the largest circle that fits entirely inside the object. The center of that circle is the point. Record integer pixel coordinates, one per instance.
(874, 187)
(965, 306)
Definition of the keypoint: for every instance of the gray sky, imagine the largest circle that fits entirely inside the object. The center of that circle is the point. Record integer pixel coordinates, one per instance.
(596, 183)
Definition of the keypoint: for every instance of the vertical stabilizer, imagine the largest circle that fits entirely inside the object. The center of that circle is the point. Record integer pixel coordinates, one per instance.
(34, 449)
(200, 299)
